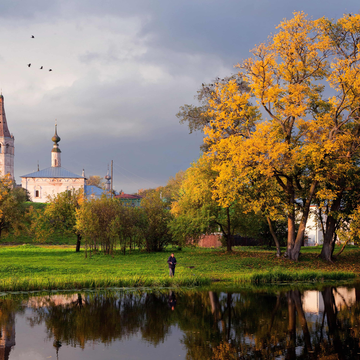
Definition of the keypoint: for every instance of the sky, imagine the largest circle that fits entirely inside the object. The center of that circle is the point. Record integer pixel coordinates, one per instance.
(121, 70)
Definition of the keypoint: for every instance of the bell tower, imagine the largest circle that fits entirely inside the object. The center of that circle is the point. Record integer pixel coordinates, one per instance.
(56, 152)
(7, 149)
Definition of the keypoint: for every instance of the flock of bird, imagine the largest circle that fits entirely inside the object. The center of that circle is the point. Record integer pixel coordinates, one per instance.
(41, 67)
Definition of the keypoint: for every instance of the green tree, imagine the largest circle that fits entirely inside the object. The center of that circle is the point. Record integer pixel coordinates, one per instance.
(95, 220)
(154, 224)
(12, 206)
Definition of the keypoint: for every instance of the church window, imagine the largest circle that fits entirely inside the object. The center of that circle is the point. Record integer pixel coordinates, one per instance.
(7, 149)
(37, 193)
(55, 162)
(0, 148)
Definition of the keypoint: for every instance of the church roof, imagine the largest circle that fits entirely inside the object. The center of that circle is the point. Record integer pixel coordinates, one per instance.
(93, 190)
(4, 130)
(53, 172)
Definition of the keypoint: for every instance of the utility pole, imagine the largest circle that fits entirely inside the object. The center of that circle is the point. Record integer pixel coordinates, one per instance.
(112, 174)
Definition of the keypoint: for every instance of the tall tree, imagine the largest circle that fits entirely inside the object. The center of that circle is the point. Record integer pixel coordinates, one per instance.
(308, 139)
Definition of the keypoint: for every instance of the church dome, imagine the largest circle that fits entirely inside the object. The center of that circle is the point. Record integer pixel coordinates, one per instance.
(56, 137)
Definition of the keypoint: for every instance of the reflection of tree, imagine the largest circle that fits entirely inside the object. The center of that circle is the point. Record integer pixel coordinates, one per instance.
(105, 318)
(216, 325)
(8, 308)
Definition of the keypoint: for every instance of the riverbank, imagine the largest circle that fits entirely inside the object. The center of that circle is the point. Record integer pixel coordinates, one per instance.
(33, 267)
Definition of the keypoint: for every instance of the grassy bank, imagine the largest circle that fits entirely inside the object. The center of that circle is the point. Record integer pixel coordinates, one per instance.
(29, 267)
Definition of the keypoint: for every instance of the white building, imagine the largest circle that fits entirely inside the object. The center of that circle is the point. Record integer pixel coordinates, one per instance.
(7, 149)
(313, 231)
(54, 180)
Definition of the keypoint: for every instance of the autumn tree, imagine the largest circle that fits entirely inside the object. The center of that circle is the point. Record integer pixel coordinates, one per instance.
(197, 212)
(308, 138)
(95, 180)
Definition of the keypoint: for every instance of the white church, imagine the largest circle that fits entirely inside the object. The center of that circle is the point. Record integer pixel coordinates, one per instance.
(43, 184)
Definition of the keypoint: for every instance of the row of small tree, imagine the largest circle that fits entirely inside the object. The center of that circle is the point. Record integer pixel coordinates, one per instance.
(105, 223)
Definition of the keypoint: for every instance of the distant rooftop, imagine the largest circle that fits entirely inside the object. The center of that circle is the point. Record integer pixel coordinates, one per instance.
(128, 196)
(53, 172)
(92, 190)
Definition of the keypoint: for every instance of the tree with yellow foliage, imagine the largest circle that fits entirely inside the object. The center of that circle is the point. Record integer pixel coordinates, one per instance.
(308, 144)
(196, 212)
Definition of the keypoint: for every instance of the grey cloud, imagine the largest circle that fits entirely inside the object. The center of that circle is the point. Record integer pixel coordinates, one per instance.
(118, 101)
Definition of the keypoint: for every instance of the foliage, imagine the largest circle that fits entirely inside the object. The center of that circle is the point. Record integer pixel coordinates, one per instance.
(95, 221)
(12, 206)
(309, 145)
(58, 215)
(154, 223)
(196, 212)
(95, 180)
(126, 227)
(199, 118)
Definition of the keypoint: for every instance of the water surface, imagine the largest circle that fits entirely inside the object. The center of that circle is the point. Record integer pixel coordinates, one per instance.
(182, 324)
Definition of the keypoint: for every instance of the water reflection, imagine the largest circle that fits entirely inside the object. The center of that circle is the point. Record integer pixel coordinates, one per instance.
(212, 325)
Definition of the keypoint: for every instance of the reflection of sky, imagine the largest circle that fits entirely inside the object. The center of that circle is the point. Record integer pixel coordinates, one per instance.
(35, 345)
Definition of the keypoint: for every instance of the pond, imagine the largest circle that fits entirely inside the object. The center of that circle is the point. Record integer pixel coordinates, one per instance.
(253, 323)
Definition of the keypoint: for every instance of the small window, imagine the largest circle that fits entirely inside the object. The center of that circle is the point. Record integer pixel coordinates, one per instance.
(7, 149)
(55, 162)
(36, 193)
(0, 148)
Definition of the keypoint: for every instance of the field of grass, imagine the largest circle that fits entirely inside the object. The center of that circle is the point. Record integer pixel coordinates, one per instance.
(34, 267)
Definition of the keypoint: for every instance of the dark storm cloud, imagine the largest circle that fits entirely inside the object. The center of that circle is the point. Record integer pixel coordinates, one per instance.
(121, 71)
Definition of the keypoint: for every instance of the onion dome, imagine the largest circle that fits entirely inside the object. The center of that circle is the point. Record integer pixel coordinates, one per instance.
(56, 137)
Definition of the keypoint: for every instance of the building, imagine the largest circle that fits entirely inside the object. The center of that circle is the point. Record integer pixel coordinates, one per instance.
(7, 150)
(54, 180)
(313, 231)
(129, 200)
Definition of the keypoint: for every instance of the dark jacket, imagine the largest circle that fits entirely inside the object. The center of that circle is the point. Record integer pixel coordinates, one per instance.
(172, 262)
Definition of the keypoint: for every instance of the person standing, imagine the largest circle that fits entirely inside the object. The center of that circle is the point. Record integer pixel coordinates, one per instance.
(172, 263)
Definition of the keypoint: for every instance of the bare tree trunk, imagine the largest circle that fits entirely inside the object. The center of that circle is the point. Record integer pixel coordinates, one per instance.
(78, 242)
(295, 251)
(329, 240)
(272, 232)
(290, 351)
(331, 316)
(297, 300)
(215, 305)
(229, 238)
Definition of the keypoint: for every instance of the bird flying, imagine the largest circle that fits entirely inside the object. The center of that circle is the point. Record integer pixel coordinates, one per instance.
(41, 67)
(29, 65)
(32, 36)
(50, 69)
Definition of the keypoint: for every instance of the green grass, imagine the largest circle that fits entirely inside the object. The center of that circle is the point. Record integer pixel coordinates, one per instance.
(30, 267)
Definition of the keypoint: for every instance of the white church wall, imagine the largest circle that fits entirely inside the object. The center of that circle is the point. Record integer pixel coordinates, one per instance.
(313, 230)
(40, 189)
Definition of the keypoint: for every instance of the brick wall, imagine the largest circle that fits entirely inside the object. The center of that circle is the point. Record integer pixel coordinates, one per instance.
(212, 240)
